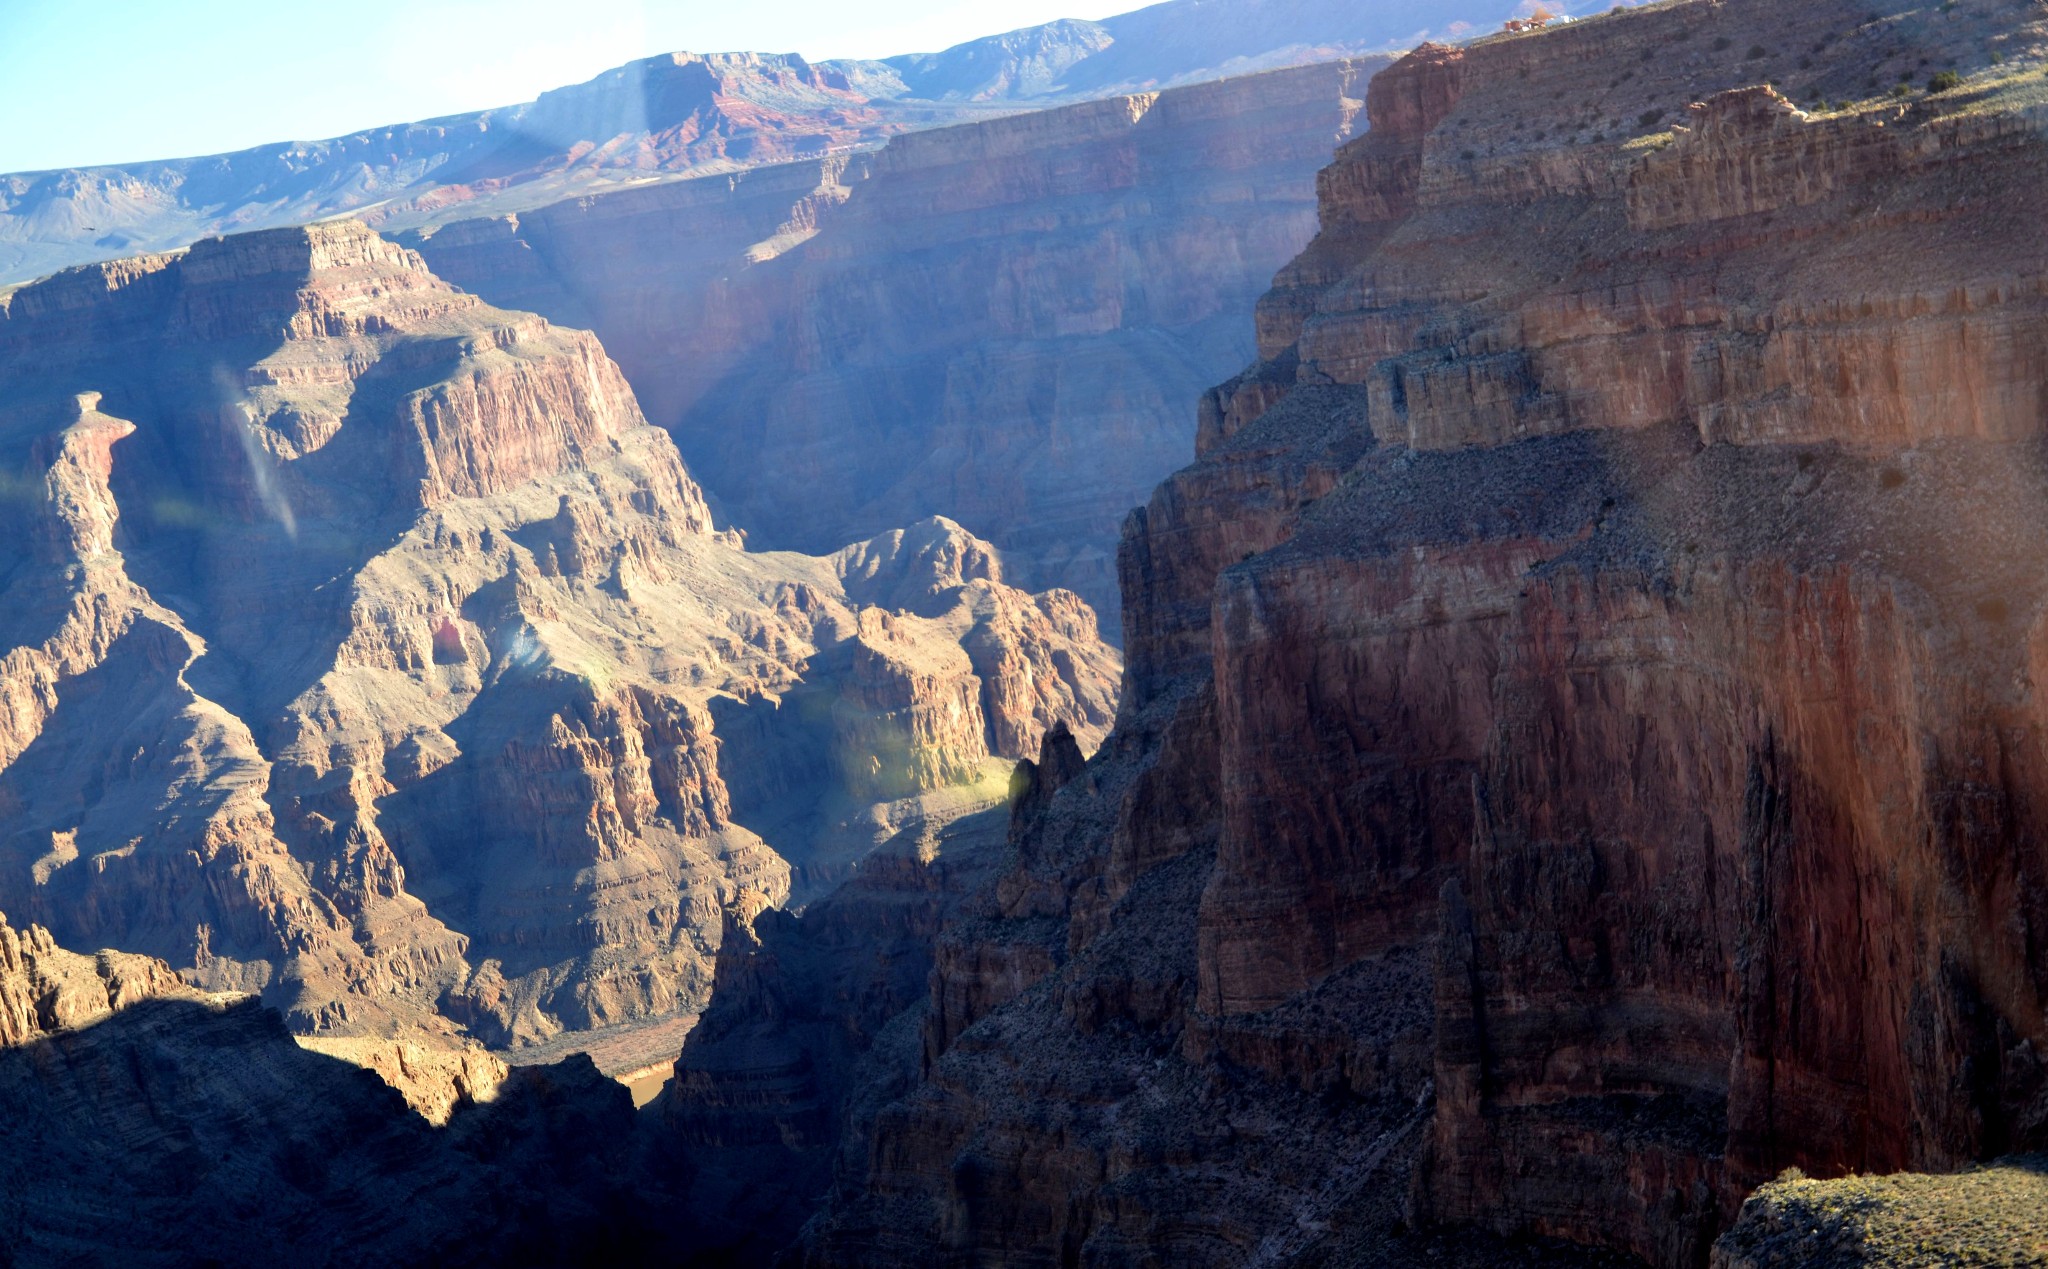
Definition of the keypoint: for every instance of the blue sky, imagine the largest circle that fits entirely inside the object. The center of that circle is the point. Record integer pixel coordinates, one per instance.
(107, 81)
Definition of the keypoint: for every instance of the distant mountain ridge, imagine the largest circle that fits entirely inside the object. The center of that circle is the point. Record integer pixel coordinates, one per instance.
(681, 114)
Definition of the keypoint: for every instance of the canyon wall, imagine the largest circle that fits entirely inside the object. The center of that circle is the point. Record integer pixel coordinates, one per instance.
(1003, 323)
(1579, 750)
(361, 646)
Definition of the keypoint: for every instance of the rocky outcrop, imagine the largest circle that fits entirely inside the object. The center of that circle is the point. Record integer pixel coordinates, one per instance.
(1574, 760)
(1001, 323)
(370, 658)
(45, 989)
(435, 1080)
(1988, 1215)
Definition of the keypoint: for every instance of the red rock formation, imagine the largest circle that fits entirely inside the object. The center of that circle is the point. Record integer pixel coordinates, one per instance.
(145, 1121)
(45, 989)
(1596, 641)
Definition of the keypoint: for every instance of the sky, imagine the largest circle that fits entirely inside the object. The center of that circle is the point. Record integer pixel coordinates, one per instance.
(86, 82)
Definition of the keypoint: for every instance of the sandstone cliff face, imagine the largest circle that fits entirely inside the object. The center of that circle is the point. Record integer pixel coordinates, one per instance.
(367, 655)
(1574, 760)
(1001, 323)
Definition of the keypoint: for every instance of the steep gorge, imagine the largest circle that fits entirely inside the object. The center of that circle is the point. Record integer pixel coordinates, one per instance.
(1579, 741)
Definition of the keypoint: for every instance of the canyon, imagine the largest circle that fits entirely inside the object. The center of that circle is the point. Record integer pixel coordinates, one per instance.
(148, 1123)
(1567, 790)
(367, 650)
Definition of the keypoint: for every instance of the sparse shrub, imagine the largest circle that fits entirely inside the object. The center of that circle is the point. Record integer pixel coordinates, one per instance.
(1650, 118)
(1756, 51)
(1722, 43)
(1467, 155)
(1902, 90)
(1943, 81)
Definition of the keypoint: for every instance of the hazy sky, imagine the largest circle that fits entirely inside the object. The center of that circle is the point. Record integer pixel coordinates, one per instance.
(109, 81)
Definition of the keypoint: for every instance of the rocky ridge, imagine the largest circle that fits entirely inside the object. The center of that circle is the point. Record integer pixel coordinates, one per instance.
(1574, 756)
(367, 658)
(673, 115)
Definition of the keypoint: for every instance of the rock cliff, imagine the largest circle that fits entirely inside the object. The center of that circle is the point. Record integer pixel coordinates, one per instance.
(1576, 756)
(362, 645)
(1003, 323)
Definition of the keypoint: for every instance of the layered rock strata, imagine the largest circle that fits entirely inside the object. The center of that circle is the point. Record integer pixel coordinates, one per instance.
(363, 644)
(1002, 323)
(1574, 760)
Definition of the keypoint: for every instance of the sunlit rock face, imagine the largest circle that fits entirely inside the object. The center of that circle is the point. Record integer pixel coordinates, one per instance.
(1003, 323)
(1580, 750)
(360, 646)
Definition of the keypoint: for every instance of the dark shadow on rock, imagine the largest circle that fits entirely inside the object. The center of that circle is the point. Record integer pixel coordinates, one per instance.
(182, 1132)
